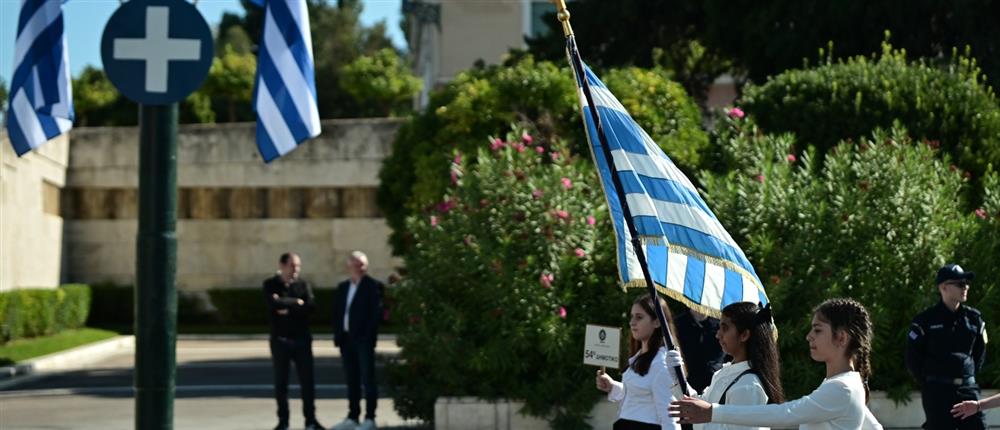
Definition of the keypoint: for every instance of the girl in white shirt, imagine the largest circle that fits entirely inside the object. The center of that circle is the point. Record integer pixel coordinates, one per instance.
(840, 337)
(644, 391)
(753, 377)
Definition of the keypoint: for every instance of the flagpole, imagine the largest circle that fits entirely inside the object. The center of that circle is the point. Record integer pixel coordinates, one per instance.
(563, 16)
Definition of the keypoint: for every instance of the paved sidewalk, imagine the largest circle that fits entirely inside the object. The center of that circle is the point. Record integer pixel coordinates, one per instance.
(222, 382)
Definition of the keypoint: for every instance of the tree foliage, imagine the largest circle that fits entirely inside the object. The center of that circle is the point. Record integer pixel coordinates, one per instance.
(766, 38)
(838, 100)
(484, 102)
(381, 83)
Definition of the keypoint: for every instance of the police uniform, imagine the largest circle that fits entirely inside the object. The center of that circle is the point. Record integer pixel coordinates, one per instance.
(945, 351)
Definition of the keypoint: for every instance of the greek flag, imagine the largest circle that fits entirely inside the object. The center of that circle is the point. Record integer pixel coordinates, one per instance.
(285, 94)
(690, 256)
(41, 100)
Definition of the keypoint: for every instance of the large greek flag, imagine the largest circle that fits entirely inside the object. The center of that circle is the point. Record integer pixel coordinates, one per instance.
(690, 255)
(41, 100)
(285, 94)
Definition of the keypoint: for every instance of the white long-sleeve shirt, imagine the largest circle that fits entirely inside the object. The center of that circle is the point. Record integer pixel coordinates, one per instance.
(746, 391)
(646, 398)
(837, 404)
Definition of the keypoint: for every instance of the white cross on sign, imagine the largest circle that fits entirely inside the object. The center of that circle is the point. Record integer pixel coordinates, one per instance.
(157, 49)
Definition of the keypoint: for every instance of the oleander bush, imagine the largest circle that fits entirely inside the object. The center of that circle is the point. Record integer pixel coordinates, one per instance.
(873, 221)
(505, 272)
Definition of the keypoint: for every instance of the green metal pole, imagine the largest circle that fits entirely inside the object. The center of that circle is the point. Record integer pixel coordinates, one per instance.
(155, 269)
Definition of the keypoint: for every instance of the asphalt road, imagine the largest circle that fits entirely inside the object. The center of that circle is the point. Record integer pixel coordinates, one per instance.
(220, 384)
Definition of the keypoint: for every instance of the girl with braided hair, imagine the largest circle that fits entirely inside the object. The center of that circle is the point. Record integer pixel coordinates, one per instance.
(840, 337)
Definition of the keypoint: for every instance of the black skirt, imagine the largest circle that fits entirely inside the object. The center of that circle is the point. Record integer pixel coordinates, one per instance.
(624, 424)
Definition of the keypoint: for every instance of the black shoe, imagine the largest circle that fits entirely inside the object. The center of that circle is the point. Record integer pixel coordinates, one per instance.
(281, 426)
(315, 425)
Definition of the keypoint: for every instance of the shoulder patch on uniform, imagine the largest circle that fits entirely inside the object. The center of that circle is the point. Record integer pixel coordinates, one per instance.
(913, 335)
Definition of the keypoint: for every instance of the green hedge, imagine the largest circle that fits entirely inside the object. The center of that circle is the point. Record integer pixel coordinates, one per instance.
(113, 306)
(948, 106)
(38, 312)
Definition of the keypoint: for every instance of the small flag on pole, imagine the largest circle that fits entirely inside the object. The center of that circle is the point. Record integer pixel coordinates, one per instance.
(285, 93)
(690, 256)
(41, 98)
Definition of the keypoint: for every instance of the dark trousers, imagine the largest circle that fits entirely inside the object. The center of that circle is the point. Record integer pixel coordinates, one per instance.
(283, 352)
(624, 424)
(359, 369)
(938, 400)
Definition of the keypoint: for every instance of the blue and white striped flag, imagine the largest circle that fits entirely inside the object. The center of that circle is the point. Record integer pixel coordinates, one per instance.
(690, 256)
(285, 94)
(41, 98)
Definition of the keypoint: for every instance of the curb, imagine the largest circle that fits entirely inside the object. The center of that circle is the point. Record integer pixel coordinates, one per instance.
(71, 359)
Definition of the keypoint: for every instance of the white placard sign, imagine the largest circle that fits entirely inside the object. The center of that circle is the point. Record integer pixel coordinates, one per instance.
(602, 346)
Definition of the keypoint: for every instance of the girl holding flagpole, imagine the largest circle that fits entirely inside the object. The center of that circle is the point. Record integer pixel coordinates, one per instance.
(645, 389)
(753, 377)
(840, 337)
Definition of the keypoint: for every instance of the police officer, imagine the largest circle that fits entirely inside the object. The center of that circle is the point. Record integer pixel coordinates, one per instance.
(947, 347)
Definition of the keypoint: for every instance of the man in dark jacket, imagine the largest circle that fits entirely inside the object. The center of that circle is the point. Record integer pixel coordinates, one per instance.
(289, 301)
(946, 348)
(357, 311)
(702, 352)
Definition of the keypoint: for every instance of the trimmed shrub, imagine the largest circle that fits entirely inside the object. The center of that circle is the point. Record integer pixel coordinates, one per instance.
(874, 222)
(484, 102)
(38, 312)
(503, 275)
(841, 100)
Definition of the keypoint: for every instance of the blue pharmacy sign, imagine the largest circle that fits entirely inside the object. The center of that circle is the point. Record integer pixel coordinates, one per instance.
(156, 52)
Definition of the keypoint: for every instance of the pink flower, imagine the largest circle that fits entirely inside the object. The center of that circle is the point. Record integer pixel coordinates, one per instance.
(537, 194)
(457, 159)
(791, 158)
(520, 147)
(526, 138)
(554, 156)
(566, 183)
(736, 113)
(580, 252)
(562, 312)
(539, 150)
(561, 214)
(445, 206)
(497, 144)
(981, 213)
(434, 221)
(591, 220)
(546, 279)
(759, 178)
(454, 177)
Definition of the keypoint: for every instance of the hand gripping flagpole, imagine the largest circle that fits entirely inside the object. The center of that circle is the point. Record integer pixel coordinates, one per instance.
(577, 63)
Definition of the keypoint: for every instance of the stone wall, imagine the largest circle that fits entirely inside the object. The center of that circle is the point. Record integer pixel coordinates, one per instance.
(236, 215)
(30, 225)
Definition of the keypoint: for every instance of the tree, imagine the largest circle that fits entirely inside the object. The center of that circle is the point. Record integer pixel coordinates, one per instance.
(660, 33)
(766, 38)
(230, 83)
(382, 83)
(770, 37)
(338, 38)
(97, 102)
